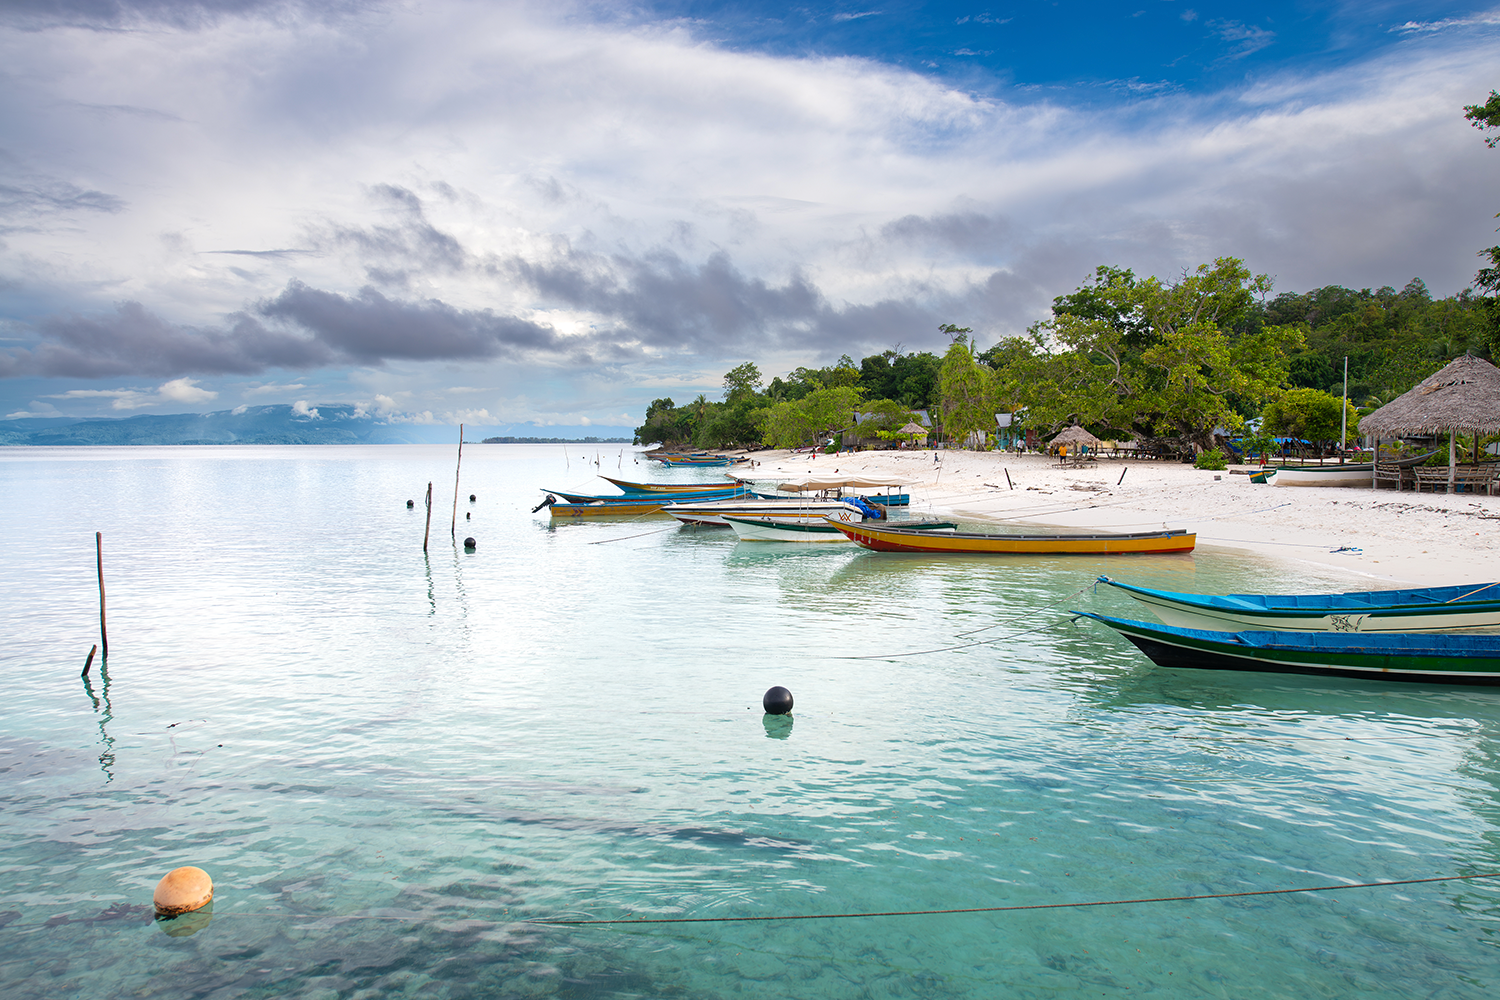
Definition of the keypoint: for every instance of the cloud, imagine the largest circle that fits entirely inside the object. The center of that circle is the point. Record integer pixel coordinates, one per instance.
(178, 391)
(1246, 38)
(301, 409)
(185, 390)
(135, 341)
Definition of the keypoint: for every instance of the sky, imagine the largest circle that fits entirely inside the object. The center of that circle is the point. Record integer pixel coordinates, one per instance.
(533, 216)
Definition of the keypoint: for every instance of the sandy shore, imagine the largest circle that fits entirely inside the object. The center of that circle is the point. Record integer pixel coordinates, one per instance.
(1396, 538)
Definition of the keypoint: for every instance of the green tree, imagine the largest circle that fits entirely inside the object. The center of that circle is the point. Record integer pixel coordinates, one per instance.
(1485, 117)
(741, 381)
(967, 390)
(1309, 415)
(1154, 357)
(793, 423)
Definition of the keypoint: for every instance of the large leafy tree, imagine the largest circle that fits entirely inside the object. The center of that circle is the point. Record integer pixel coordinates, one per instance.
(1309, 415)
(967, 390)
(1154, 357)
(792, 423)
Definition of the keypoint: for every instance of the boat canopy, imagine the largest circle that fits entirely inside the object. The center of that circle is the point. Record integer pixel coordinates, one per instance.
(838, 483)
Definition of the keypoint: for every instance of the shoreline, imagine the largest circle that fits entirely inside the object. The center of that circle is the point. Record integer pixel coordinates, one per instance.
(1425, 539)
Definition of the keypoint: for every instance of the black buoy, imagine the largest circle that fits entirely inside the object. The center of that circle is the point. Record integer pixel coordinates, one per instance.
(778, 701)
(472, 498)
(469, 543)
(467, 515)
(410, 504)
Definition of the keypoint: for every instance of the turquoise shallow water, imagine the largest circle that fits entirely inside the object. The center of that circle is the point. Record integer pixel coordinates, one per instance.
(393, 765)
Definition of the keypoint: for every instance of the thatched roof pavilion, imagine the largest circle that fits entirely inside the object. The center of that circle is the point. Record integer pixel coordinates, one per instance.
(1075, 435)
(1463, 398)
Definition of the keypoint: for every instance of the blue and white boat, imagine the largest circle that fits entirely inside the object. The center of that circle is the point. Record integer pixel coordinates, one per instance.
(1426, 609)
(1407, 656)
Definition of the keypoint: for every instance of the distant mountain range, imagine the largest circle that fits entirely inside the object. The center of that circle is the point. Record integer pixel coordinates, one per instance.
(331, 423)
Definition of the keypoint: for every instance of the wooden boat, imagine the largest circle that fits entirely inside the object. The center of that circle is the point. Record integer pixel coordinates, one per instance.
(751, 529)
(883, 537)
(1354, 474)
(1429, 609)
(654, 488)
(1403, 656)
(702, 494)
(1262, 477)
(785, 509)
(704, 461)
(625, 508)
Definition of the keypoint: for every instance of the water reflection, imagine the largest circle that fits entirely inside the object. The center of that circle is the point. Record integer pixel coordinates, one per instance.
(778, 727)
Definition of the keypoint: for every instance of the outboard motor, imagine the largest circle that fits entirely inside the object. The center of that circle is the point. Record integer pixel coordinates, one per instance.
(545, 503)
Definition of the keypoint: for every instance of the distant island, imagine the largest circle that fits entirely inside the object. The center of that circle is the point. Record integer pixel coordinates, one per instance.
(268, 424)
(587, 440)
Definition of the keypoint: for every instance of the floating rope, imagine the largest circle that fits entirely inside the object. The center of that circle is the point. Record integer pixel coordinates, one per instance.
(1005, 909)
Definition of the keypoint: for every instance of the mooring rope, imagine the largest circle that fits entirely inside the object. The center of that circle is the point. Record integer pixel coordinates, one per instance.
(1004, 909)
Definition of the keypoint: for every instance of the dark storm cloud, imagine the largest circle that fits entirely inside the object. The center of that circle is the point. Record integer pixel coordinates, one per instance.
(369, 328)
(972, 233)
(411, 239)
(669, 303)
(133, 341)
(363, 329)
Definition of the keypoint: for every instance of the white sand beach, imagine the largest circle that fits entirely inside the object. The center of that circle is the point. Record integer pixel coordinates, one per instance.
(1393, 538)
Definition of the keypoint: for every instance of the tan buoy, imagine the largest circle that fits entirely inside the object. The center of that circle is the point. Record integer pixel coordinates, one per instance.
(183, 890)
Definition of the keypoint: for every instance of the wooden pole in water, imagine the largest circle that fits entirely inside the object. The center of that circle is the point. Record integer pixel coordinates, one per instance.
(454, 529)
(427, 533)
(90, 661)
(99, 559)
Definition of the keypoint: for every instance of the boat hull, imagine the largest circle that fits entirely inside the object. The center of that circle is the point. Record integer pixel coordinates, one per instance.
(651, 489)
(881, 538)
(607, 509)
(699, 496)
(1346, 476)
(1447, 659)
(1433, 609)
(791, 511)
(760, 530)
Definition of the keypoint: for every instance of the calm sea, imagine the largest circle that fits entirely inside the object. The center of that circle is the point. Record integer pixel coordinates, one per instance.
(397, 767)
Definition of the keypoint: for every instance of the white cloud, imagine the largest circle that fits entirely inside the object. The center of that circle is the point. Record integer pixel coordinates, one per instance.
(301, 409)
(185, 390)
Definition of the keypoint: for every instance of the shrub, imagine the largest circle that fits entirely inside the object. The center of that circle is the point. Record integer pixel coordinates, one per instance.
(1213, 460)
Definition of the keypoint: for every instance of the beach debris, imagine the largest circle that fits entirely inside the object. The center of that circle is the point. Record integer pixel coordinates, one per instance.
(182, 890)
(777, 701)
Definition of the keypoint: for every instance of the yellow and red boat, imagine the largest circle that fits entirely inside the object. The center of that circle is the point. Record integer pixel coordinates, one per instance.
(875, 535)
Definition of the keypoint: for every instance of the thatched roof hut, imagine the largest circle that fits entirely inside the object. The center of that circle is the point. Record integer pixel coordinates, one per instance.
(1463, 398)
(1074, 435)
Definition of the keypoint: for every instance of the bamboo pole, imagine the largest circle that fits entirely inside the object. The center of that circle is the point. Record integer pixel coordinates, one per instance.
(453, 531)
(99, 559)
(428, 532)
